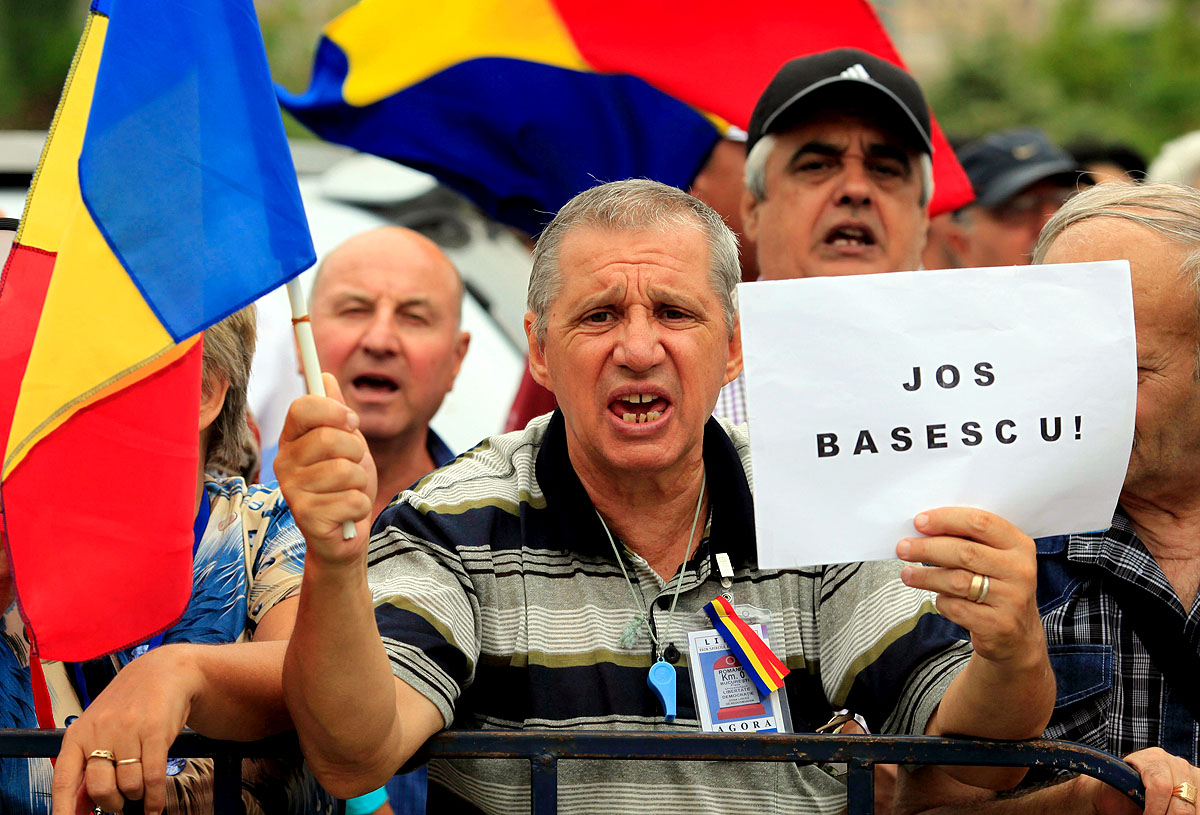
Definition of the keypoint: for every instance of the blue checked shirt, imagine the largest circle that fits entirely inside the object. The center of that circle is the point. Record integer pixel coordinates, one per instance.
(1110, 694)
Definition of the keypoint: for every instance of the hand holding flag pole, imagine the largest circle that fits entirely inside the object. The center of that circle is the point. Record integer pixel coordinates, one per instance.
(302, 325)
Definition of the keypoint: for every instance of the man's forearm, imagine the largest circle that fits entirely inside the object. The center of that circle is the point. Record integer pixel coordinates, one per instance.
(994, 701)
(1059, 799)
(339, 685)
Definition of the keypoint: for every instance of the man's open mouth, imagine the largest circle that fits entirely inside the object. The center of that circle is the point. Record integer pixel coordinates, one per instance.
(639, 408)
(850, 236)
(376, 383)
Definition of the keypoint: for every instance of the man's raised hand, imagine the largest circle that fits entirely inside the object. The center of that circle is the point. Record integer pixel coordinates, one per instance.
(326, 474)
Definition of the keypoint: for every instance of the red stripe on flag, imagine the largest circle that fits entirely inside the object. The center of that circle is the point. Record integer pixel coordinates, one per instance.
(719, 56)
(23, 287)
(99, 522)
(764, 654)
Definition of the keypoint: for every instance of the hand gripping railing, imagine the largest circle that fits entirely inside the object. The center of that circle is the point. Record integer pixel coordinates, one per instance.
(544, 748)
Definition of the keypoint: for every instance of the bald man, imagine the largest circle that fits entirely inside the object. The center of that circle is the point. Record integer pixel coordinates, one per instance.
(386, 316)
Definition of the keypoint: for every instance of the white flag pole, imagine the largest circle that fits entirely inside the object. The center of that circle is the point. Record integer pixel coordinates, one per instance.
(308, 357)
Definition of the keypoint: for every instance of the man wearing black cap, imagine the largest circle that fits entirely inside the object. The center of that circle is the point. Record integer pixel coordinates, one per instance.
(838, 169)
(838, 174)
(1020, 179)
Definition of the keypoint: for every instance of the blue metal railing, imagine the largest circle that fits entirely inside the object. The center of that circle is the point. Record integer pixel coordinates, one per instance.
(543, 749)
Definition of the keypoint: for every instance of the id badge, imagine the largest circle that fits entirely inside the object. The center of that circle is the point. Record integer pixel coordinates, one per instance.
(727, 700)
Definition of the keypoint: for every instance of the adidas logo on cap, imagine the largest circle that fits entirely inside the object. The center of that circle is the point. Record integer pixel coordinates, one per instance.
(855, 71)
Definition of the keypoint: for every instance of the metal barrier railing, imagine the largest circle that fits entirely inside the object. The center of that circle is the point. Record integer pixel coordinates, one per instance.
(543, 749)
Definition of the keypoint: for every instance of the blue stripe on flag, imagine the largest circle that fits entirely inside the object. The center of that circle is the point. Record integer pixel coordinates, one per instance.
(519, 138)
(185, 166)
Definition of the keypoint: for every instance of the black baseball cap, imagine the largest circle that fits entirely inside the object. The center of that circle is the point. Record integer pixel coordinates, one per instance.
(831, 79)
(1002, 164)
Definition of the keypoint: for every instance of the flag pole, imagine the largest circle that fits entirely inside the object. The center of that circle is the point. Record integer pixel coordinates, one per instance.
(302, 325)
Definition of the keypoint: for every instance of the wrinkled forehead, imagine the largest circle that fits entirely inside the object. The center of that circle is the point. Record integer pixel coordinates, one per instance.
(596, 255)
(1163, 292)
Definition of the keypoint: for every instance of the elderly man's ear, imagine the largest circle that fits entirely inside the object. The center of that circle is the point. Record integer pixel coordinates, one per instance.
(734, 366)
(537, 354)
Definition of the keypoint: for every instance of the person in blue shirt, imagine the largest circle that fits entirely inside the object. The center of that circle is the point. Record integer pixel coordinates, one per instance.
(248, 558)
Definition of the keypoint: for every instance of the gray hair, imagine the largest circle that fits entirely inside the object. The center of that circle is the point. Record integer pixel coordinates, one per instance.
(633, 205)
(756, 170)
(1178, 162)
(228, 352)
(1171, 210)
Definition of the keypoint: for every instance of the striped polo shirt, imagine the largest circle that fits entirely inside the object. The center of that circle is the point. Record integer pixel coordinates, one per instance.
(498, 597)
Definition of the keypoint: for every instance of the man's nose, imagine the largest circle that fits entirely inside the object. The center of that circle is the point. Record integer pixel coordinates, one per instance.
(639, 347)
(854, 185)
(379, 336)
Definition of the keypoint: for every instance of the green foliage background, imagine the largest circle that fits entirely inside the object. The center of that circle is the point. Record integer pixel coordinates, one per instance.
(1079, 76)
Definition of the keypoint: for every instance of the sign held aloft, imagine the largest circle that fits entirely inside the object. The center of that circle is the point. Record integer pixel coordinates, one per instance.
(873, 398)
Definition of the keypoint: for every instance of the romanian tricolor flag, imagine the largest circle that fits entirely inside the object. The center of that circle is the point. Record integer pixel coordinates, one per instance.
(165, 199)
(759, 662)
(521, 104)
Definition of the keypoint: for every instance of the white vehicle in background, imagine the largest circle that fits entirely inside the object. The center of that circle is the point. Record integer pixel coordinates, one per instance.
(346, 193)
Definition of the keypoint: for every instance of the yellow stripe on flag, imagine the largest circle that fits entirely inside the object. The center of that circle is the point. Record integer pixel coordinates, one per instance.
(55, 187)
(391, 45)
(95, 329)
(755, 663)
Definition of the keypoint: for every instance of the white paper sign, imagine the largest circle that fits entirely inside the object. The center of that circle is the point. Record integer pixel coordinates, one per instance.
(1024, 404)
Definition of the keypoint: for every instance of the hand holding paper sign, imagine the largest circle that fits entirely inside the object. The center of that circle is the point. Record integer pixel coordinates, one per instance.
(1007, 389)
(984, 571)
(961, 544)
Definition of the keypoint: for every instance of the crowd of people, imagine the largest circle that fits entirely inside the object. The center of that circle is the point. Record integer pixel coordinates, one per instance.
(533, 581)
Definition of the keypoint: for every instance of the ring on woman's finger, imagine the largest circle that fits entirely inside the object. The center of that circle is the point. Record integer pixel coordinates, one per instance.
(107, 754)
(1185, 791)
(978, 591)
(119, 762)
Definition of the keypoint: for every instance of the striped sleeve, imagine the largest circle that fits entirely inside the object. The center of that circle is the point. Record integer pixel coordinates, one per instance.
(885, 651)
(426, 610)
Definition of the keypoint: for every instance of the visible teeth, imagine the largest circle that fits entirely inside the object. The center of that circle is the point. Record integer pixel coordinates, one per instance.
(652, 415)
(641, 418)
(629, 417)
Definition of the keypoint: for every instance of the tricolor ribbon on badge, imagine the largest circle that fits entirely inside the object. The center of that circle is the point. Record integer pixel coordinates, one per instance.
(760, 663)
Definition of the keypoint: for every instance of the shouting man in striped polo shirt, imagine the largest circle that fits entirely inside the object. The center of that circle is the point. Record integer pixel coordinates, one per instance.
(537, 580)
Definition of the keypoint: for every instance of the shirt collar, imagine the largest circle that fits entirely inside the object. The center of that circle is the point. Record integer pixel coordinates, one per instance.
(573, 519)
(438, 450)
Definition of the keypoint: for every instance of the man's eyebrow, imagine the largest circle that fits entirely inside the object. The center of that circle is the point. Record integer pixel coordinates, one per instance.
(416, 300)
(821, 148)
(672, 296)
(889, 151)
(351, 296)
(601, 298)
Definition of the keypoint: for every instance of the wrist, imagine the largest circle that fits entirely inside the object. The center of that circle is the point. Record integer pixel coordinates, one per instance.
(331, 573)
(179, 663)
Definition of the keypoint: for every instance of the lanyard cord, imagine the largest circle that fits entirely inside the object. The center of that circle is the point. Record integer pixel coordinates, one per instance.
(638, 600)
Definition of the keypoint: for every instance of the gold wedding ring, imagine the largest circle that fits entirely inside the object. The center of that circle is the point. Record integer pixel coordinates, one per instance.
(1185, 791)
(978, 591)
(128, 761)
(107, 754)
